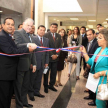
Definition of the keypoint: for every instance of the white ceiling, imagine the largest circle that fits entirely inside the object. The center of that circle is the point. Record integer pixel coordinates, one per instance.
(92, 10)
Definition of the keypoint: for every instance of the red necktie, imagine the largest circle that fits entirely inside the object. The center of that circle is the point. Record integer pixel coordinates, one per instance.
(53, 37)
(41, 42)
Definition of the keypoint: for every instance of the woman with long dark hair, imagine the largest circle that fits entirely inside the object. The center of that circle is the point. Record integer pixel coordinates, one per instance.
(76, 40)
(62, 56)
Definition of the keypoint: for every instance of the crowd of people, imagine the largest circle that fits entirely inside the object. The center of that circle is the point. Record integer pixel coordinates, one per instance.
(22, 74)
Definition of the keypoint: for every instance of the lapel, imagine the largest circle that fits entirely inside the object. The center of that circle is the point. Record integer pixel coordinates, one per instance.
(44, 41)
(38, 41)
(26, 36)
(91, 47)
(51, 39)
(101, 57)
(10, 38)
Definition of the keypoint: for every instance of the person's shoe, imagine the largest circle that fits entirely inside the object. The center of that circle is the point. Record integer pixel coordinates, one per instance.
(29, 105)
(92, 103)
(77, 78)
(39, 95)
(68, 75)
(45, 90)
(86, 91)
(52, 88)
(32, 98)
(60, 84)
(56, 84)
(87, 98)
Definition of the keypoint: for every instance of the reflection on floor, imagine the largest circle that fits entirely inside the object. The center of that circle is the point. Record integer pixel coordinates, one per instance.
(68, 96)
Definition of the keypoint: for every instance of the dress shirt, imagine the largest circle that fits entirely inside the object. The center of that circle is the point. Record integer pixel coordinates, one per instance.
(40, 38)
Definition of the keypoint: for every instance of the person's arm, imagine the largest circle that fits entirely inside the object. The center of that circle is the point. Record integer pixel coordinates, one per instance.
(100, 73)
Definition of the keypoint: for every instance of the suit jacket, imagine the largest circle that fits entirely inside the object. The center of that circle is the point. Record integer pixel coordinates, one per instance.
(8, 65)
(101, 65)
(84, 40)
(93, 47)
(53, 44)
(21, 38)
(42, 58)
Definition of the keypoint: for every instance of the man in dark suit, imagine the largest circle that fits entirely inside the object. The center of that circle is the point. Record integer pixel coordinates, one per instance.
(54, 42)
(8, 64)
(92, 45)
(42, 59)
(23, 74)
(84, 43)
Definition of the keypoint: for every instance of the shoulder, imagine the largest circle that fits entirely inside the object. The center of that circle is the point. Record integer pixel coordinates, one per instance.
(58, 35)
(46, 39)
(48, 33)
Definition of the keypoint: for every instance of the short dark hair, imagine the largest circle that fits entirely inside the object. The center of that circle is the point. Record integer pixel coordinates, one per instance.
(91, 30)
(54, 24)
(8, 18)
(19, 25)
(83, 27)
(41, 26)
(48, 30)
(99, 24)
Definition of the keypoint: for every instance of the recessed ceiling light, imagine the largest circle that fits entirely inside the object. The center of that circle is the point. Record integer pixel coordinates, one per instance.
(74, 19)
(104, 23)
(92, 20)
(54, 19)
(1, 11)
(90, 26)
(57, 20)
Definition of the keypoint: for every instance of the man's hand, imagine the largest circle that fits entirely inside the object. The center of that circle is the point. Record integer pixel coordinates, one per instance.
(46, 65)
(54, 57)
(31, 46)
(34, 69)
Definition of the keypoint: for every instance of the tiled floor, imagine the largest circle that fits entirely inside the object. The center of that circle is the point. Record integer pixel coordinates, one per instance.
(76, 100)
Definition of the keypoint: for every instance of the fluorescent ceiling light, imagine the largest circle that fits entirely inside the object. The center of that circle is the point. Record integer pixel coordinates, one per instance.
(72, 6)
(90, 26)
(106, 18)
(1, 11)
(57, 20)
(74, 19)
(92, 20)
(104, 23)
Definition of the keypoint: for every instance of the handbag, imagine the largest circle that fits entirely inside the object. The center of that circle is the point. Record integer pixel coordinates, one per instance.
(103, 90)
(86, 72)
(72, 58)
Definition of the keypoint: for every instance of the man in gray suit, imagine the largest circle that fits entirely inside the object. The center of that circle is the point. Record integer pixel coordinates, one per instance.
(42, 59)
(54, 42)
(23, 74)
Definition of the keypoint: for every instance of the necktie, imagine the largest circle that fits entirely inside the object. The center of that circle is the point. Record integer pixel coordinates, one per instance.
(53, 37)
(89, 45)
(29, 37)
(41, 42)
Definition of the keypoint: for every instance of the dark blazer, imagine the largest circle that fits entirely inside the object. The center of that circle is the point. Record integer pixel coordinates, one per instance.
(21, 38)
(84, 40)
(8, 64)
(53, 44)
(93, 47)
(42, 58)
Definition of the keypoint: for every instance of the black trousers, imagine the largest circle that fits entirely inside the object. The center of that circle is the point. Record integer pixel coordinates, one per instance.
(53, 72)
(21, 88)
(92, 95)
(35, 82)
(6, 91)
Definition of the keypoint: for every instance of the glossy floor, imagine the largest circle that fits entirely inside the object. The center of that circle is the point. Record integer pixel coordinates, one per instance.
(70, 95)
